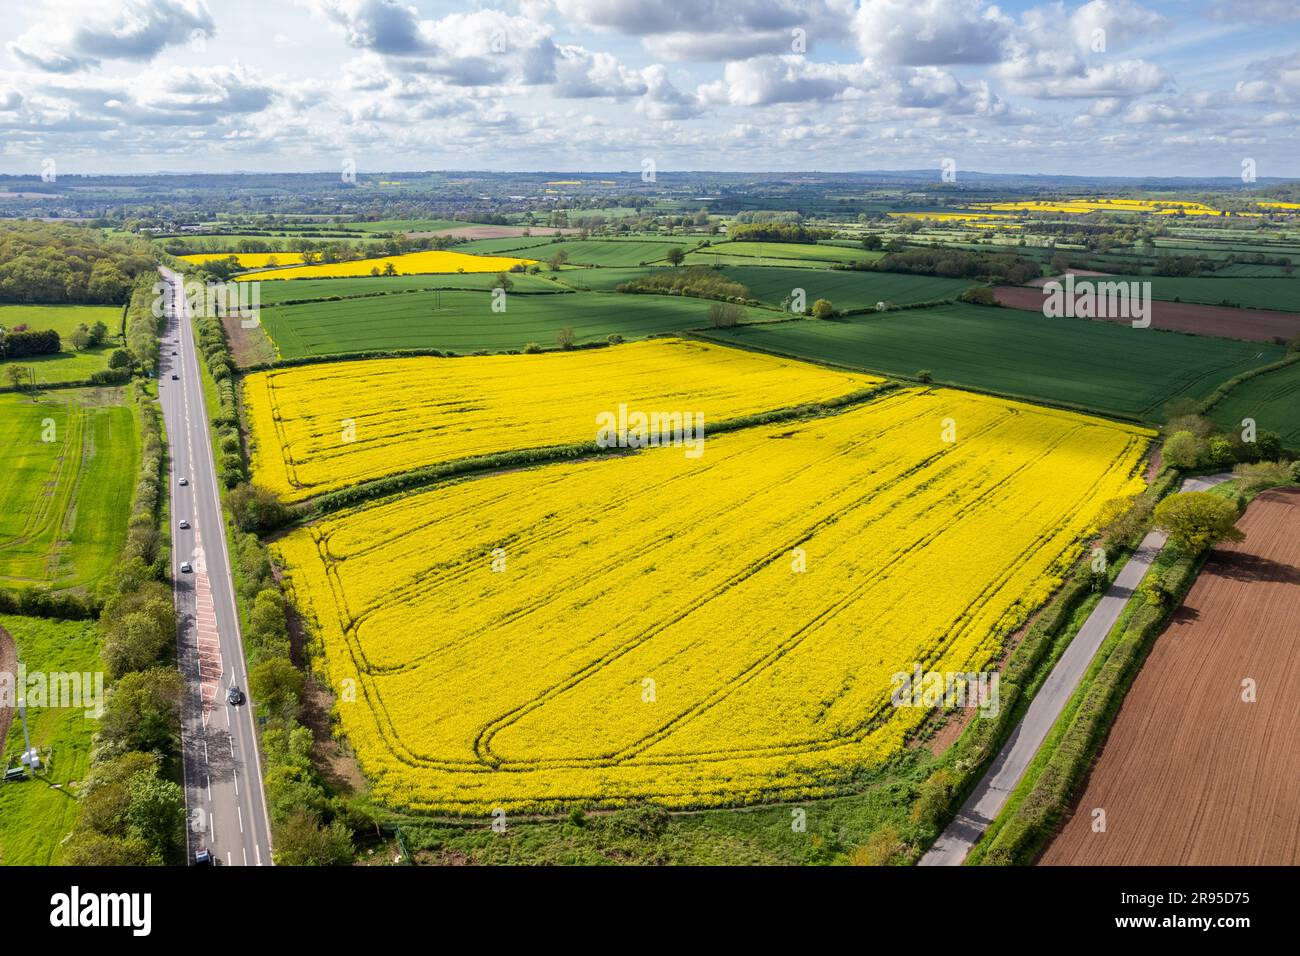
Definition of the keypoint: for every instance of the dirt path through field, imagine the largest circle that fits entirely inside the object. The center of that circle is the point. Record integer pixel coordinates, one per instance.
(1191, 773)
(8, 665)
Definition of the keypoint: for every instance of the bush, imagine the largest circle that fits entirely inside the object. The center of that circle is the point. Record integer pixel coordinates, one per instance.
(724, 315)
(823, 309)
(881, 848)
(1195, 520)
(256, 509)
(979, 295)
(1183, 450)
(1264, 474)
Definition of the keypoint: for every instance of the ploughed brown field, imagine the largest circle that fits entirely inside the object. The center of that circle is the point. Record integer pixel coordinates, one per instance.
(1251, 325)
(1190, 773)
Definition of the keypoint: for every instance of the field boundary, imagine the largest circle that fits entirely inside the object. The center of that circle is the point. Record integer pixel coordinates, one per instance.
(419, 478)
(1047, 786)
(706, 336)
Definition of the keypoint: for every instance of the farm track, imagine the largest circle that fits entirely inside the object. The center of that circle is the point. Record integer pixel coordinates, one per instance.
(1249, 325)
(1191, 774)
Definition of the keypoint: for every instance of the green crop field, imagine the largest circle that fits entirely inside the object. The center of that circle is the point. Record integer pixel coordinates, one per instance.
(69, 365)
(781, 253)
(1247, 270)
(302, 290)
(38, 813)
(64, 502)
(844, 288)
(1280, 294)
(1095, 365)
(612, 252)
(1272, 399)
(604, 280)
(466, 323)
(498, 247)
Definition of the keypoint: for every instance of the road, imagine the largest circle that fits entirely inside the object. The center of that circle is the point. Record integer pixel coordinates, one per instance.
(993, 790)
(223, 774)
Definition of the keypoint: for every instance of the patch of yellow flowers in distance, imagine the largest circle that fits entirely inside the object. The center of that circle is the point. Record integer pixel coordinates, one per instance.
(411, 263)
(316, 428)
(1163, 207)
(696, 631)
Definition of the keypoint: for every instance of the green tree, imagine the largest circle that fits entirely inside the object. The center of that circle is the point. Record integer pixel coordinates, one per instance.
(1183, 450)
(256, 509)
(80, 337)
(134, 642)
(120, 358)
(1195, 520)
(302, 840)
(675, 255)
(565, 338)
(155, 813)
(276, 685)
(822, 309)
(872, 242)
(143, 711)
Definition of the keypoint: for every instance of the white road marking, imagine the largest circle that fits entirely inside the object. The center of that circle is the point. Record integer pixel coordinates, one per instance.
(209, 785)
(228, 863)
(257, 851)
(240, 811)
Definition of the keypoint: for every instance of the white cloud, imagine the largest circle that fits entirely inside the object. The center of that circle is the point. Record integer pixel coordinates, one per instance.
(765, 80)
(90, 31)
(931, 32)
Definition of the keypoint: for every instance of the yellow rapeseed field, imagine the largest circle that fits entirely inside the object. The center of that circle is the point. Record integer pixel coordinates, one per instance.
(412, 263)
(320, 427)
(695, 631)
(1162, 207)
(248, 260)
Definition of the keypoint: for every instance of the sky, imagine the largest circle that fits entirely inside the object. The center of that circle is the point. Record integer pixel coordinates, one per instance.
(1106, 87)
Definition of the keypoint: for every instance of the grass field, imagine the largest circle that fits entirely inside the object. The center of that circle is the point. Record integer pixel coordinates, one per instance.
(779, 253)
(466, 323)
(710, 611)
(68, 365)
(273, 293)
(1099, 366)
(611, 252)
(412, 263)
(1272, 399)
(34, 816)
(1248, 293)
(64, 502)
(496, 247)
(411, 412)
(845, 289)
